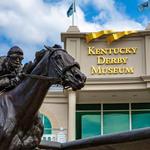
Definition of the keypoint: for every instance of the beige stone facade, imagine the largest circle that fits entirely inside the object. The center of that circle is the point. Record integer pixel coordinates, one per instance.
(109, 78)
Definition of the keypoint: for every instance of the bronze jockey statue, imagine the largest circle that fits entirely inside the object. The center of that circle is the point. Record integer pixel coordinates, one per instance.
(10, 68)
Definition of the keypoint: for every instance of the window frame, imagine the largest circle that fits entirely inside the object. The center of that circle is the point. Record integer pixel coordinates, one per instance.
(102, 110)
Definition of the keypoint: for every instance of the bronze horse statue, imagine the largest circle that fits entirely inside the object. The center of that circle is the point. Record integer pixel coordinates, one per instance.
(19, 106)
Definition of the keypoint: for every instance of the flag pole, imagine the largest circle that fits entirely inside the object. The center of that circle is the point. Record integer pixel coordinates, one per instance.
(73, 12)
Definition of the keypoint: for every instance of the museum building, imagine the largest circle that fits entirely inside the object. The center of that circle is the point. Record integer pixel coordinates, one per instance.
(116, 96)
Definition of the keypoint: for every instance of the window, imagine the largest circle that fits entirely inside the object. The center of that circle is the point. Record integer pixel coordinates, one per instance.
(46, 123)
(100, 119)
(89, 124)
(115, 118)
(140, 115)
(47, 128)
(88, 121)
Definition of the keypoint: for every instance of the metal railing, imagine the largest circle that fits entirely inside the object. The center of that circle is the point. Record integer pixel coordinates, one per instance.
(58, 135)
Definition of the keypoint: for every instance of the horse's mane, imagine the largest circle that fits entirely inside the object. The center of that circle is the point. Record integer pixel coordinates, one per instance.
(28, 67)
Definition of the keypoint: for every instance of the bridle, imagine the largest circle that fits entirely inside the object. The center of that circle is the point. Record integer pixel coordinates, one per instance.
(61, 69)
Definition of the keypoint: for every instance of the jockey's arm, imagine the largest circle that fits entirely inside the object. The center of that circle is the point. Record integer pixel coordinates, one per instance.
(4, 82)
(9, 82)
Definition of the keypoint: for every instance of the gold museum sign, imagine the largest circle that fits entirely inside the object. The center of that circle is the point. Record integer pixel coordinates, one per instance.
(112, 60)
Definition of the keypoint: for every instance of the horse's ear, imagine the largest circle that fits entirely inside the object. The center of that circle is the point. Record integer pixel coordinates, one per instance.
(48, 48)
(57, 46)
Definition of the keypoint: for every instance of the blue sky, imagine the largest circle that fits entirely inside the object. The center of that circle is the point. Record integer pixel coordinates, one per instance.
(129, 7)
(32, 23)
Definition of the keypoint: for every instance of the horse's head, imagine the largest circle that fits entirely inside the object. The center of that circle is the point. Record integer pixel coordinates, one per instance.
(65, 68)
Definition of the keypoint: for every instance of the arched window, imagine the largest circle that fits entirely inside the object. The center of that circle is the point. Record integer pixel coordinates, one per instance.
(47, 124)
(49, 133)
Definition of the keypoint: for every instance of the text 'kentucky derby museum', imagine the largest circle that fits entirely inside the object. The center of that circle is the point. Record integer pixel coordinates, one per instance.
(116, 96)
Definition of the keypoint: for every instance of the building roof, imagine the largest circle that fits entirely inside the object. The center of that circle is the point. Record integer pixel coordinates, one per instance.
(74, 32)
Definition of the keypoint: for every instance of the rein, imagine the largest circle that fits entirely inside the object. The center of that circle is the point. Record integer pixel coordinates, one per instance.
(41, 77)
(33, 76)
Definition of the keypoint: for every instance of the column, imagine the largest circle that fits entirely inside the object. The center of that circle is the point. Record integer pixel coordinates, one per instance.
(147, 55)
(71, 115)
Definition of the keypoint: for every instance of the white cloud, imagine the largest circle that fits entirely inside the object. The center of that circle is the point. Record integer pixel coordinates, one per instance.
(33, 23)
(85, 26)
(114, 18)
